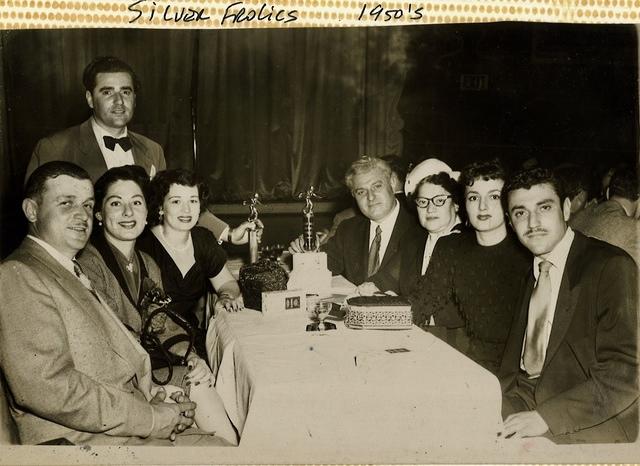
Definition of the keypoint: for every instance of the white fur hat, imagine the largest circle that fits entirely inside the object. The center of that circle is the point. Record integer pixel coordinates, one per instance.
(426, 168)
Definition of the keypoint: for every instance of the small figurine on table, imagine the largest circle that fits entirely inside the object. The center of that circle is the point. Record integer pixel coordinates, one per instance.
(309, 236)
(253, 234)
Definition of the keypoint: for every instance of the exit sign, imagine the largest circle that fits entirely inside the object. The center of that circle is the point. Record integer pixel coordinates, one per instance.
(474, 82)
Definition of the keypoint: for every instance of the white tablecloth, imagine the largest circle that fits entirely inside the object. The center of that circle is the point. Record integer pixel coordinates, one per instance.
(342, 393)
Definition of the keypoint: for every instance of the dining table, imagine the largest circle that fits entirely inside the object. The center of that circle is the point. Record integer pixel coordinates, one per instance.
(346, 394)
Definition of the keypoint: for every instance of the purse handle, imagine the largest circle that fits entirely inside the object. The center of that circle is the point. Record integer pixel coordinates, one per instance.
(152, 343)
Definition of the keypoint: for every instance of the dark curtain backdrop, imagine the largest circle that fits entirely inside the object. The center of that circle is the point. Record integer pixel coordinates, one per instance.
(45, 91)
(281, 110)
(271, 111)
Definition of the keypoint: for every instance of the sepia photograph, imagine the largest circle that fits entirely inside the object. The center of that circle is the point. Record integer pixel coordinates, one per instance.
(400, 244)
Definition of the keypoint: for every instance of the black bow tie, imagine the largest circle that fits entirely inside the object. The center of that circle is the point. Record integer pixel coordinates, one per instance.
(111, 142)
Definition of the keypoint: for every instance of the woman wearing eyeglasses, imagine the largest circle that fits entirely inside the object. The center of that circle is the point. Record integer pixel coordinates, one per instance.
(436, 197)
(471, 287)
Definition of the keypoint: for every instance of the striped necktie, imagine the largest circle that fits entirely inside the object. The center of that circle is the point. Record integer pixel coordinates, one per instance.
(374, 253)
(84, 279)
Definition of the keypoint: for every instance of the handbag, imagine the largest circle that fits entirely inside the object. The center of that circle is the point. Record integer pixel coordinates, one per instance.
(160, 351)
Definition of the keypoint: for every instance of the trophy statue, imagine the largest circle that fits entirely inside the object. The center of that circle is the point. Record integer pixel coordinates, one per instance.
(308, 233)
(253, 235)
(309, 271)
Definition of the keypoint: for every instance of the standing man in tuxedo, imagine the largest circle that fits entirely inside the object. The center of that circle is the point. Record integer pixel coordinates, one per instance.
(104, 141)
(366, 248)
(570, 366)
(73, 370)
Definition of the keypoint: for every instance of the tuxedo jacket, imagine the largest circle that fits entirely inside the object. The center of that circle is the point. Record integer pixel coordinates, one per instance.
(78, 144)
(71, 369)
(348, 250)
(587, 390)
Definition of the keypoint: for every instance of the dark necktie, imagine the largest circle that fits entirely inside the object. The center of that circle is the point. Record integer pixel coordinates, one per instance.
(110, 142)
(374, 253)
(534, 350)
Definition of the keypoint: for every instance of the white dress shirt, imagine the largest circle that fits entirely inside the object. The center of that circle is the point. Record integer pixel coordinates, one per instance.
(386, 227)
(116, 157)
(558, 259)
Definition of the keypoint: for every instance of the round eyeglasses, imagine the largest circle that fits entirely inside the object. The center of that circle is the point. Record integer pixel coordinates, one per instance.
(438, 201)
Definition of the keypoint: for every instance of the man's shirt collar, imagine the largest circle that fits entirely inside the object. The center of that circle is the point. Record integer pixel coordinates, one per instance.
(558, 256)
(53, 252)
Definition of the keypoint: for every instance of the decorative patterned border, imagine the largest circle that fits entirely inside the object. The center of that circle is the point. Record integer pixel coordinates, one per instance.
(37, 14)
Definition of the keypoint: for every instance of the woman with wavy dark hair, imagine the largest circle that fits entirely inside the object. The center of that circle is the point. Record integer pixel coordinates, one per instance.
(471, 287)
(190, 259)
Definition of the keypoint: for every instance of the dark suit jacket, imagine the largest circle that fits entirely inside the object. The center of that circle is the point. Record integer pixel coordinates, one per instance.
(587, 390)
(348, 251)
(78, 145)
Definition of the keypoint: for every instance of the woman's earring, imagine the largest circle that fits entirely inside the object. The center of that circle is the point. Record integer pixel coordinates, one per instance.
(160, 215)
(99, 222)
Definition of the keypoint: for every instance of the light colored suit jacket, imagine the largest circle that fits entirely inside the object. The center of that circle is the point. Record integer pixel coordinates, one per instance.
(71, 369)
(609, 222)
(78, 145)
(587, 390)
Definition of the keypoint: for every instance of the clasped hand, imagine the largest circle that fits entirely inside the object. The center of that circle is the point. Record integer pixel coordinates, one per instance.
(172, 418)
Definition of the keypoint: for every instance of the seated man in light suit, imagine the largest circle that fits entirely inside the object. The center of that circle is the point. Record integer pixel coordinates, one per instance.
(615, 220)
(73, 370)
(104, 141)
(570, 365)
(366, 249)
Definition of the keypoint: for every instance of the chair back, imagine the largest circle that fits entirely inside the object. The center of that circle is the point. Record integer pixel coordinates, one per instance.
(8, 428)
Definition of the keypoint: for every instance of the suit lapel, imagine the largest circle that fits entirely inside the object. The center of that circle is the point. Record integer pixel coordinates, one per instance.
(521, 324)
(92, 308)
(567, 297)
(67, 282)
(403, 223)
(141, 154)
(93, 160)
(394, 241)
(361, 256)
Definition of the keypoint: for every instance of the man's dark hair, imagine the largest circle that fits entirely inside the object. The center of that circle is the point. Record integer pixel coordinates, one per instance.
(159, 187)
(484, 170)
(107, 65)
(35, 184)
(526, 179)
(574, 178)
(624, 183)
(134, 173)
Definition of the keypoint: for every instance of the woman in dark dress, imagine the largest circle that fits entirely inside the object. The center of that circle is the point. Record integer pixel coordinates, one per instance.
(472, 285)
(190, 259)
